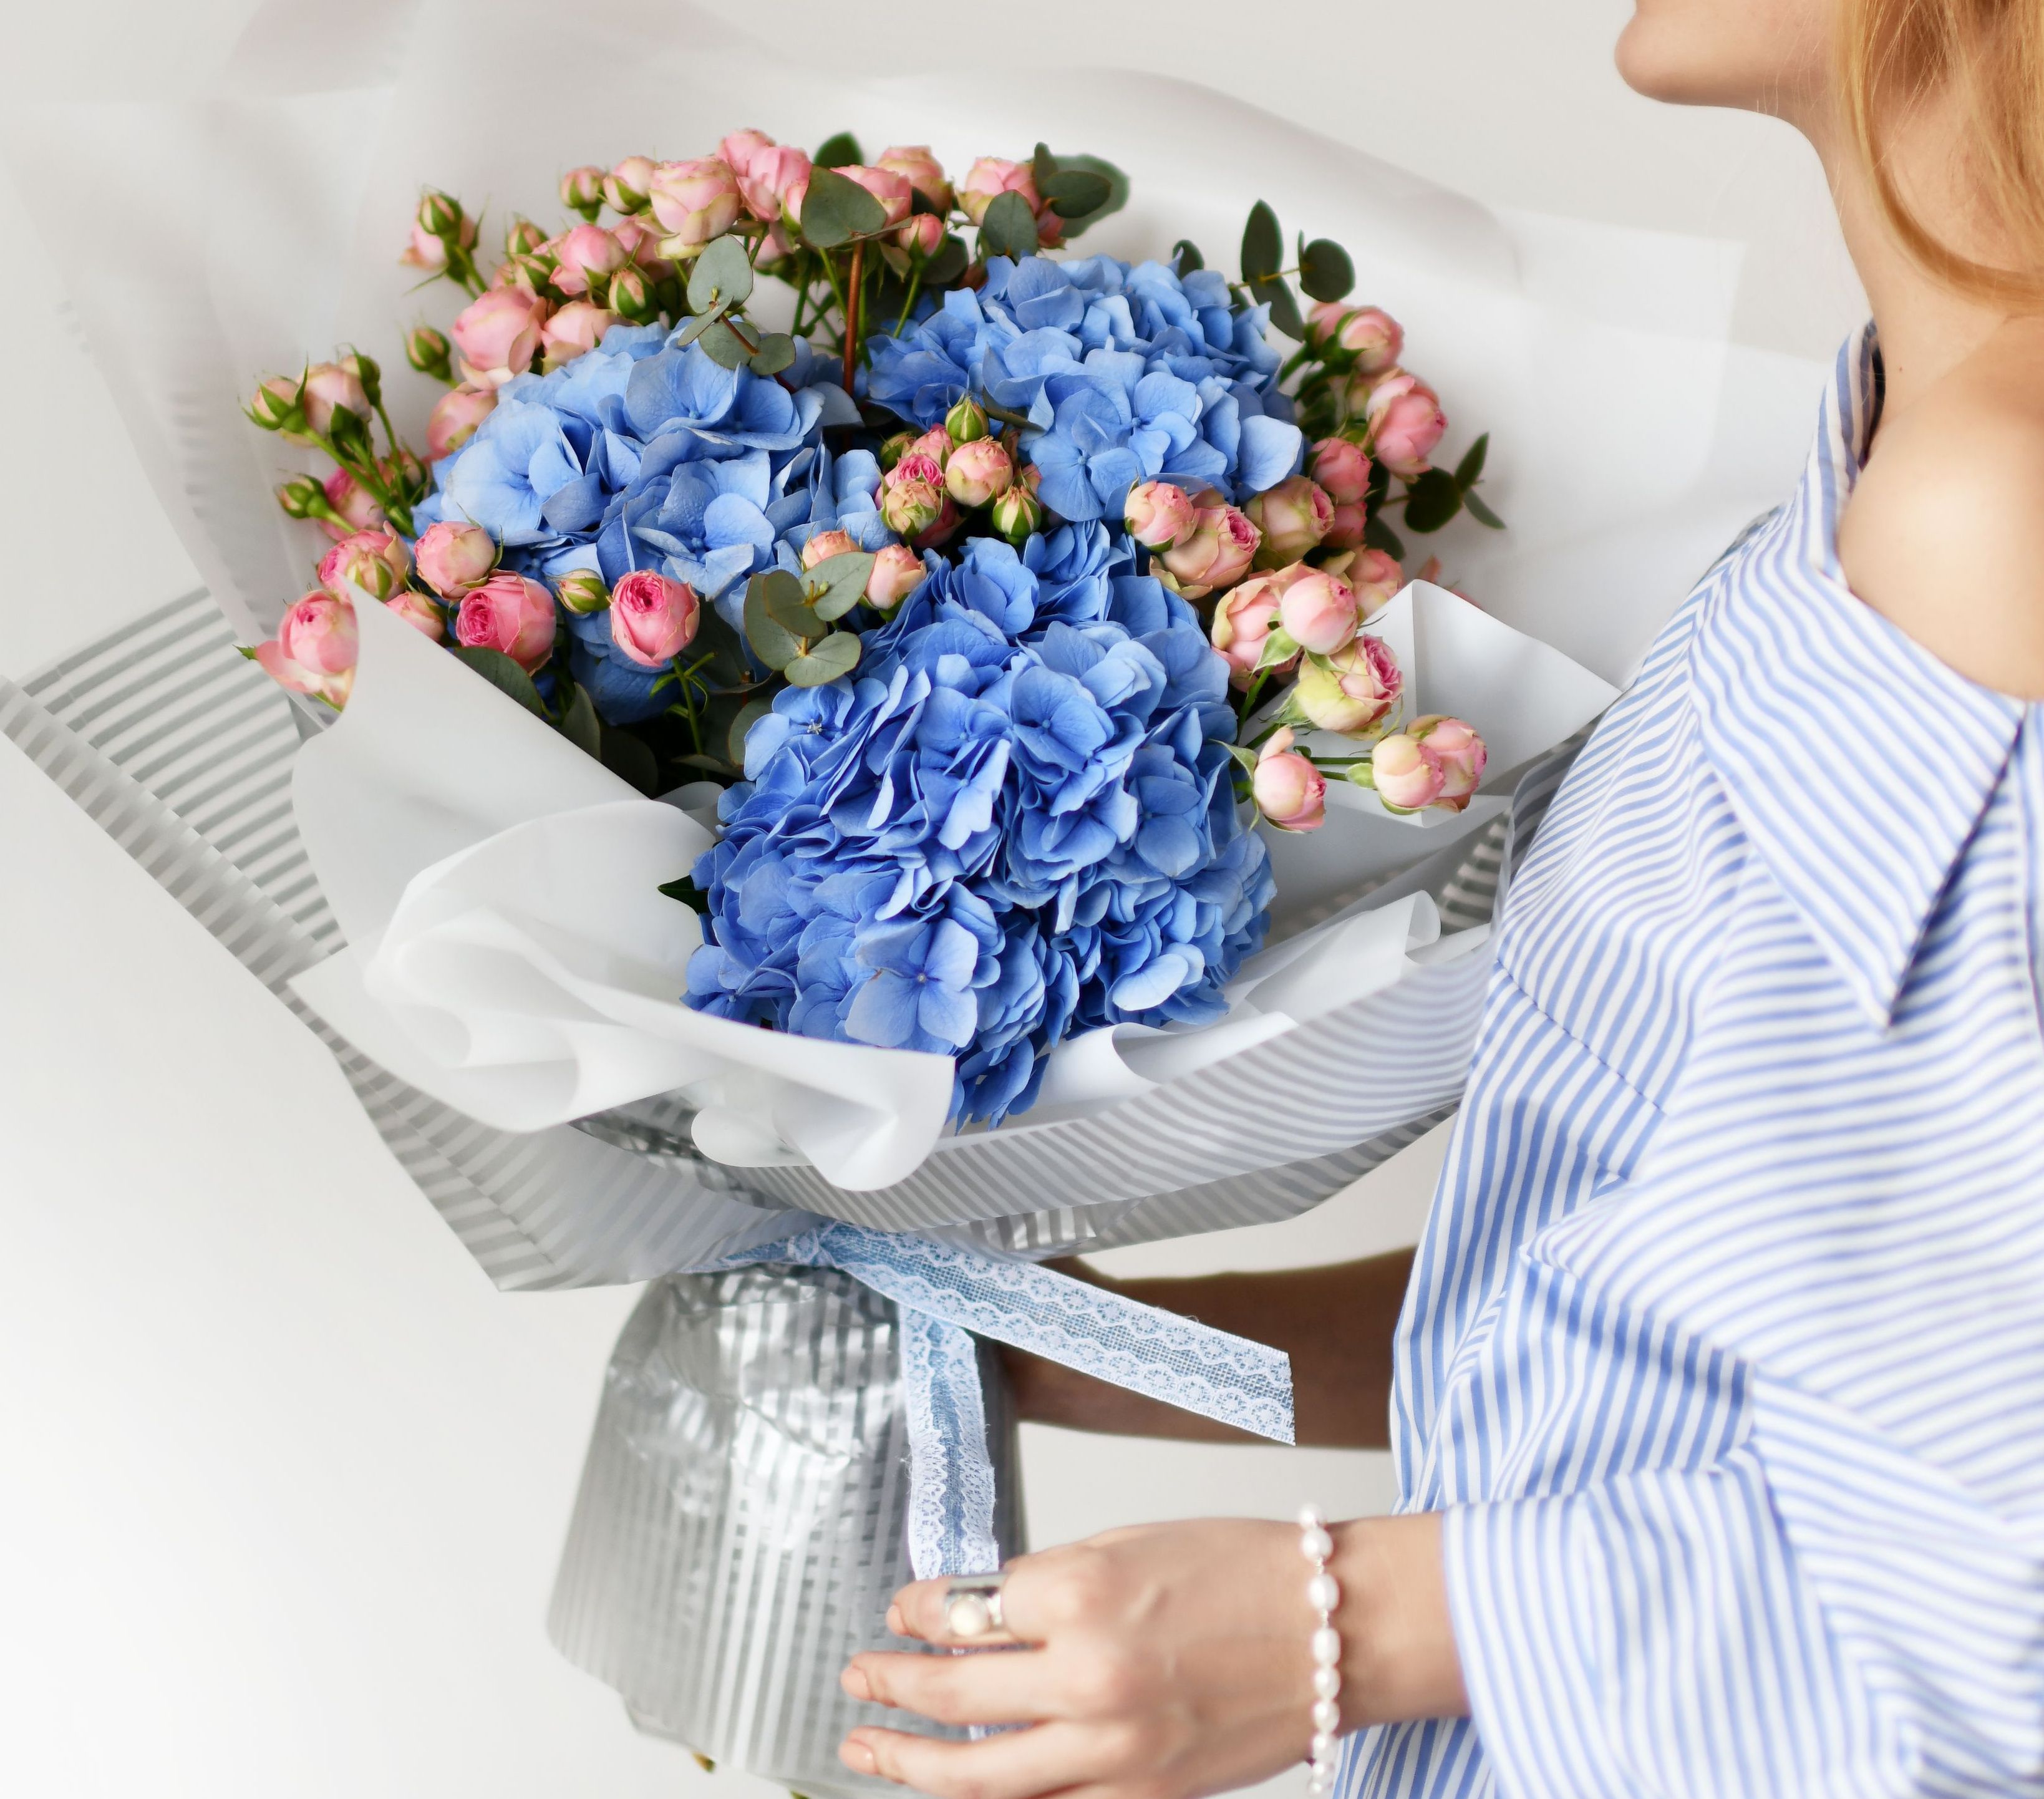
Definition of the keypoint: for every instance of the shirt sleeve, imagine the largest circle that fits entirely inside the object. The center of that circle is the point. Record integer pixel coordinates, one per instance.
(1813, 1615)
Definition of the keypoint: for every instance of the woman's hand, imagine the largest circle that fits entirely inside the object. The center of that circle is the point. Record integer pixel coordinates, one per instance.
(1162, 1662)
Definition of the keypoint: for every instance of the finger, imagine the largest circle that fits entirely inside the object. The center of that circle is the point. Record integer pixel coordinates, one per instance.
(1021, 1764)
(1013, 1686)
(1028, 1604)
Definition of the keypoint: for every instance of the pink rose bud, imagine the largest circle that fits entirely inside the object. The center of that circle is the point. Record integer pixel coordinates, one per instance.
(352, 504)
(1405, 424)
(510, 614)
(499, 335)
(915, 465)
(314, 650)
(991, 177)
(1158, 515)
(1218, 554)
(1342, 468)
(523, 238)
(1293, 517)
(916, 164)
(1405, 776)
(1017, 513)
(979, 472)
(585, 255)
(966, 422)
(949, 519)
(438, 222)
(330, 388)
(581, 591)
(1374, 338)
(454, 418)
(740, 147)
(695, 202)
(1376, 577)
(1319, 611)
(419, 611)
(274, 406)
(771, 179)
(911, 507)
(1243, 618)
(641, 245)
(894, 448)
(1347, 528)
(454, 556)
(1289, 790)
(376, 561)
(826, 544)
(428, 351)
(897, 572)
(582, 190)
(922, 235)
(576, 329)
(653, 619)
(937, 444)
(626, 187)
(1352, 689)
(632, 297)
(775, 249)
(1454, 748)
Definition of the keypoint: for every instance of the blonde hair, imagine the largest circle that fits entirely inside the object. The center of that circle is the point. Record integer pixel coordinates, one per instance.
(1894, 54)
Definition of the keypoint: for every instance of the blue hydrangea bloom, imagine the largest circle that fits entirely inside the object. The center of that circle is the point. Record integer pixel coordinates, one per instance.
(1127, 374)
(1016, 821)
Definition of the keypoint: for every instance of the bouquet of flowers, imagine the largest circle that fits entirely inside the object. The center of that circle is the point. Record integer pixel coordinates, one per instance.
(995, 594)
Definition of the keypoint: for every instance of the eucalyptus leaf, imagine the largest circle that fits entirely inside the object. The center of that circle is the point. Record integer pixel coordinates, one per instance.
(838, 583)
(695, 327)
(1276, 293)
(949, 260)
(787, 606)
(1469, 471)
(1076, 193)
(774, 645)
(715, 639)
(1325, 270)
(748, 715)
(1263, 245)
(1431, 501)
(579, 724)
(839, 151)
(1481, 512)
(688, 893)
(504, 674)
(1008, 228)
(836, 657)
(628, 757)
(1376, 535)
(1117, 192)
(721, 275)
(776, 352)
(1185, 253)
(726, 349)
(836, 209)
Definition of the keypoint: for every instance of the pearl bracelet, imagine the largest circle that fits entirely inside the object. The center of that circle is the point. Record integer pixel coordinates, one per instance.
(1324, 1594)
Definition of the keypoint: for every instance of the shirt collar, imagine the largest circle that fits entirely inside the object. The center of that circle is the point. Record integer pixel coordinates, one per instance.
(1858, 763)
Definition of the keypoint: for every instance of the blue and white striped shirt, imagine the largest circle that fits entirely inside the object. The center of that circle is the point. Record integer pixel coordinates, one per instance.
(1724, 1351)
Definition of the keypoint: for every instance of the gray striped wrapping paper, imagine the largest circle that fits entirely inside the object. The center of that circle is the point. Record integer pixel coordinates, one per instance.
(739, 1522)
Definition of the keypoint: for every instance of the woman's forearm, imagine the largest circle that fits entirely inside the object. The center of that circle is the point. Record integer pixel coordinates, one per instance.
(1335, 1323)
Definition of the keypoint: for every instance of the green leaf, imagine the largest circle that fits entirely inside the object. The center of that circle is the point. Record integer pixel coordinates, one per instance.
(1186, 253)
(838, 583)
(720, 276)
(838, 152)
(1481, 512)
(695, 327)
(1263, 245)
(1431, 501)
(837, 656)
(726, 349)
(629, 757)
(579, 724)
(1469, 469)
(1075, 194)
(836, 209)
(748, 715)
(1008, 227)
(776, 352)
(771, 643)
(688, 893)
(1117, 191)
(1325, 270)
(949, 260)
(1276, 293)
(504, 674)
(1376, 535)
(787, 601)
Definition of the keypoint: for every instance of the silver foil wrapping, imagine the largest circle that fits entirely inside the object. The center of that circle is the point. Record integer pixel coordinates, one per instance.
(740, 1527)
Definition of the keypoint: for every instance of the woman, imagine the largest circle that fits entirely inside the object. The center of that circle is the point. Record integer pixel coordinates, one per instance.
(1718, 1387)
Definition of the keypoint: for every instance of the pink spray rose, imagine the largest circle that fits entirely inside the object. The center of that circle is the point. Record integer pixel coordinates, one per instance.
(1376, 577)
(1293, 517)
(913, 506)
(991, 177)
(510, 614)
(923, 233)
(767, 172)
(652, 618)
(916, 465)
(454, 556)
(695, 202)
(1318, 610)
(455, 417)
(1342, 469)
(738, 148)
(1289, 790)
(329, 387)
(576, 329)
(1352, 689)
(1158, 515)
(498, 334)
(1373, 337)
(937, 444)
(642, 243)
(1457, 750)
(919, 167)
(1346, 529)
(897, 572)
(354, 508)
(587, 251)
(376, 561)
(427, 249)
(419, 611)
(315, 649)
(826, 544)
(626, 186)
(581, 190)
(1405, 778)
(1243, 618)
(1405, 424)
(980, 472)
(1223, 545)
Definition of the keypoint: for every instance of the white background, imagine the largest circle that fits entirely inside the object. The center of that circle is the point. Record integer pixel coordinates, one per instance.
(285, 1477)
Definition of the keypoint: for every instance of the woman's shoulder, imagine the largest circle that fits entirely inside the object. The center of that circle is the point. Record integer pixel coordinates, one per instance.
(1945, 534)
